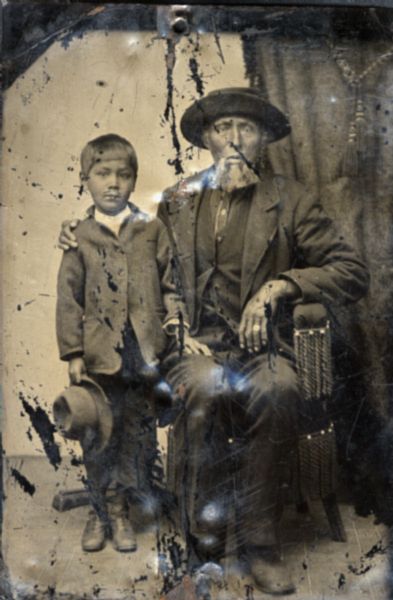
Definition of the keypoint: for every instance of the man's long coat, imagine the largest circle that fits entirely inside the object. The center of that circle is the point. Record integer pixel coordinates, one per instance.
(288, 235)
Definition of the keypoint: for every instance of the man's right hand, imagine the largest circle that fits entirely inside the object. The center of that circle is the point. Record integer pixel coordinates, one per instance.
(67, 239)
(191, 346)
(76, 369)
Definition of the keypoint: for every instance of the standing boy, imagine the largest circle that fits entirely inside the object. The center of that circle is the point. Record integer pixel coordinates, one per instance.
(110, 311)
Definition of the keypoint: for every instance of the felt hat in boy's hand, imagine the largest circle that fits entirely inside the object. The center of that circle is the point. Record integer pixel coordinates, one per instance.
(82, 408)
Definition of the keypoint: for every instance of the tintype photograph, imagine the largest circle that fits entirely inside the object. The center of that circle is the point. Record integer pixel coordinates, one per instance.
(197, 356)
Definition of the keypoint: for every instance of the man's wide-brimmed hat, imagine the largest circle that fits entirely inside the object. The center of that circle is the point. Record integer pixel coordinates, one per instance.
(242, 102)
(84, 407)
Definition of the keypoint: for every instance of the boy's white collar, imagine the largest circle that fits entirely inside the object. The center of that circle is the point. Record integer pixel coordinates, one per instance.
(112, 222)
(118, 218)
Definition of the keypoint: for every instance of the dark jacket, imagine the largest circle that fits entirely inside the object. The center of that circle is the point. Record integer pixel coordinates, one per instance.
(108, 282)
(288, 235)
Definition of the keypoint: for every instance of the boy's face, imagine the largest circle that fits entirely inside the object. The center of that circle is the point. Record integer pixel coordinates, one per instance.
(110, 182)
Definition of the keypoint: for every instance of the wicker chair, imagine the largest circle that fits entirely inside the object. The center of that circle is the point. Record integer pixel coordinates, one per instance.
(316, 468)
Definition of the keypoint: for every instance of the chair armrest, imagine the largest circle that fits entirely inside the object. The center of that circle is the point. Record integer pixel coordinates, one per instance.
(312, 343)
(310, 316)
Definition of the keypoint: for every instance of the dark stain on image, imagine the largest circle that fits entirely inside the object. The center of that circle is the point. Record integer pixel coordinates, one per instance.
(24, 483)
(45, 430)
(169, 113)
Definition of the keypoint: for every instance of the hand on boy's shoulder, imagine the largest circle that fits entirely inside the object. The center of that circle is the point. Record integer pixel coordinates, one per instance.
(67, 238)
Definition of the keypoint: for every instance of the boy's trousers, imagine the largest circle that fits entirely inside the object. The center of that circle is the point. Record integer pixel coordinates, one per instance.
(125, 466)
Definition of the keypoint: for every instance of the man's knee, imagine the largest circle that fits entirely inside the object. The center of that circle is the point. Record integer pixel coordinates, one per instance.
(275, 385)
(203, 388)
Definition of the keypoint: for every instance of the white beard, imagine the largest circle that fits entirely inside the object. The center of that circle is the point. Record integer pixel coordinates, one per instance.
(234, 175)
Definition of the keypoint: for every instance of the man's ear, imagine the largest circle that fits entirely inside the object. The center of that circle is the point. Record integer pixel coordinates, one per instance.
(265, 138)
(205, 139)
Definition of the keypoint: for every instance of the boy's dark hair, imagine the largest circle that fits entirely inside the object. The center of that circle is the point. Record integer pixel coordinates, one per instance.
(96, 149)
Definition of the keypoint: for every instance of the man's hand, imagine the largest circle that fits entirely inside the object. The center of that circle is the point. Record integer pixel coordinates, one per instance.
(76, 369)
(260, 309)
(67, 238)
(190, 345)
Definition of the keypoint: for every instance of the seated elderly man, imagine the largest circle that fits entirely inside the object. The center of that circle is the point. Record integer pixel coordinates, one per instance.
(246, 245)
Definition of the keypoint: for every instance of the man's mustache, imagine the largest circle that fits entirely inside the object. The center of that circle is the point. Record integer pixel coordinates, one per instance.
(253, 166)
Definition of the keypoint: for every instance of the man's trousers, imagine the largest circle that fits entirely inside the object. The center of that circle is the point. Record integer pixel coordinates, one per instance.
(234, 433)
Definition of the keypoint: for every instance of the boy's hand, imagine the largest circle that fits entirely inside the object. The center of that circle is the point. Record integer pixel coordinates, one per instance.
(76, 369)
(67, 238)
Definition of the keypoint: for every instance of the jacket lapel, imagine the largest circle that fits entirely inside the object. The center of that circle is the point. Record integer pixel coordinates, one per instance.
(183, 217)
(260, 231)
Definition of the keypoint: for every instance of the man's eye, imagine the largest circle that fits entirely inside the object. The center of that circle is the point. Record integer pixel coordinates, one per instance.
(222, 128)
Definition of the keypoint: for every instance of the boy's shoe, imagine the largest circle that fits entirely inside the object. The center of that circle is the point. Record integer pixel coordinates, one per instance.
(123, 536)
(94, 534)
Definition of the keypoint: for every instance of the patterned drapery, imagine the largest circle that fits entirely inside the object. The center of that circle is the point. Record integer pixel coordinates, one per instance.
(324, 83)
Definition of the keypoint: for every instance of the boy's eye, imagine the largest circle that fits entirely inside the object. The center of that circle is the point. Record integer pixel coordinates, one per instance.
(126, 175)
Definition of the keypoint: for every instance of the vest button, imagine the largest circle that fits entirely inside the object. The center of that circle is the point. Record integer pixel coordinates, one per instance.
(219, 239)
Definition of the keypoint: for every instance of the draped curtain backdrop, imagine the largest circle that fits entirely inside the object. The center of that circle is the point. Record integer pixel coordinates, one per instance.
(308, 78)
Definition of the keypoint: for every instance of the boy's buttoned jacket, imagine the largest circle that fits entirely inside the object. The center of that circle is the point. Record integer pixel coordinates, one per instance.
(110, 281)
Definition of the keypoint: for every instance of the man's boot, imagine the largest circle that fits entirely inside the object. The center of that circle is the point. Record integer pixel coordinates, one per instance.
(269, 571)
(123, 536)
(94, 533)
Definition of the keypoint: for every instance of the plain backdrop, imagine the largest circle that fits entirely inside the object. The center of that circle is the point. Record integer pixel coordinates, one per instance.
(102, 83)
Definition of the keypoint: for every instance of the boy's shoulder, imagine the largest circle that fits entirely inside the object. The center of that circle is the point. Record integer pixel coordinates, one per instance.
(85, 226)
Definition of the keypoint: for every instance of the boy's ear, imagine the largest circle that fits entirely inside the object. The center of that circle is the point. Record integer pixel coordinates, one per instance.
(82, 177)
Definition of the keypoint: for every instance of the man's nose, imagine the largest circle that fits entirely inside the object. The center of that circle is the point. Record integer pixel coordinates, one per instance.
(235, 137)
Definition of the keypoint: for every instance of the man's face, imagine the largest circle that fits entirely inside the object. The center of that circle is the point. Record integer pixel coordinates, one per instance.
(235, 139)
(110, 182)
(236, 144)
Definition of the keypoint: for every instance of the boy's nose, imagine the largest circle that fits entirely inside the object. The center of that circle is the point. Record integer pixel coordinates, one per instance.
(114, 181)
